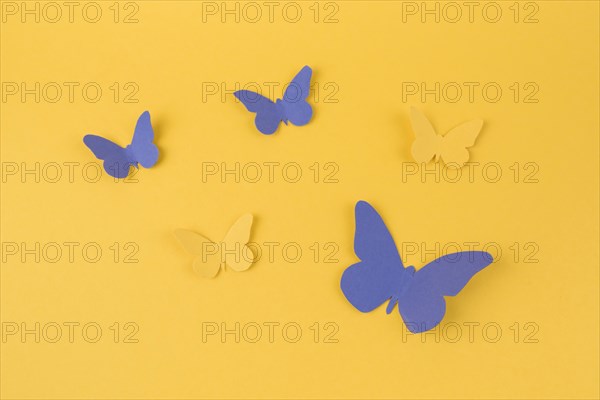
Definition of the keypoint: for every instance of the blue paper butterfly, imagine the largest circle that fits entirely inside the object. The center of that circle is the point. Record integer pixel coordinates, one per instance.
(293, 108)
(381, 275)
(118, 160)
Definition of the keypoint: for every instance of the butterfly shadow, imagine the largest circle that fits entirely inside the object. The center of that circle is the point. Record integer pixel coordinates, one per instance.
(311, 97)
(251, 239)
(158, 127)
(407, 136)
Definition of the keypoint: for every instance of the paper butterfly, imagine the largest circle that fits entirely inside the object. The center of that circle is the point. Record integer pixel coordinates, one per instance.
(381, 275)
(117, 159)
(293, 108)
(211, 256)
(452, 147)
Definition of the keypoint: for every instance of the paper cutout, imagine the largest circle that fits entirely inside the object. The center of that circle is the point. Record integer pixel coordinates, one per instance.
(452, 147)
(293, 108)
(118, 160)
(211, 257)
(381, 275)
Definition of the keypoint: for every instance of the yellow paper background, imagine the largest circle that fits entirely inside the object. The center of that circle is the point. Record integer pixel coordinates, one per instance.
(171, 54)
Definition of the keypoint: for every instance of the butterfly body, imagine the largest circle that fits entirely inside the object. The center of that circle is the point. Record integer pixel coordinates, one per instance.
(280, 109)
(436, 147)
(292, 108)
(118, 160)
(406, 278)
(380, 276)
(130, 155)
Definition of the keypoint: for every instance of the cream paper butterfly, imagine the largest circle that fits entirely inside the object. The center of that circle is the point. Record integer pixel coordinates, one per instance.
(452, 147)
(232, 251)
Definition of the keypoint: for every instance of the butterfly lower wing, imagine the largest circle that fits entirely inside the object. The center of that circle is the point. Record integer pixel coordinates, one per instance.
(116, 159)
(268, 115)
(369, 283)
(367, 286)
(297, 109)
(421, 313)
(422, 305)
(237, 239)
(299, 113)
(142, 146)
(207, 267)
(455, 143)
(117, 167)
(426, 141)
(208, 260)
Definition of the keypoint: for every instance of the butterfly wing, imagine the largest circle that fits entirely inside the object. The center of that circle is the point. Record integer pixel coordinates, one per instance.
(144, 151)
(116, 158)
(455, 143)
(239, 256)
(205, 263)
(375, 279)
(268, 115)
(426, 142)
(422, 305)
(297, 109)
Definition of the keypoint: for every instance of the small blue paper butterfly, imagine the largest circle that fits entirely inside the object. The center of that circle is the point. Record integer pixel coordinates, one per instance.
(381, 275)
(118, 160)
(293, 108)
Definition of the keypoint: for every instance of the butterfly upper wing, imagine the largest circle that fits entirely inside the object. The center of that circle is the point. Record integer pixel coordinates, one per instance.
(375, 279)
(372, 239)
(205, 264)
(268, 115)
(116, 159)
(236, 239)
(297, 109)
(426, 144)
(422, 303)
(455, 143)
(145, 152)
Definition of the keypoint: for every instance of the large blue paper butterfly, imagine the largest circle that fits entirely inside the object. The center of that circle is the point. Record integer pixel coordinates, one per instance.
(293, 108)
(118, 160)
(381, 275)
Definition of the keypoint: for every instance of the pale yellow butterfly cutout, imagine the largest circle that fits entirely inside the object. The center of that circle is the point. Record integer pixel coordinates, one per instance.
(233, 251)
(452, 147)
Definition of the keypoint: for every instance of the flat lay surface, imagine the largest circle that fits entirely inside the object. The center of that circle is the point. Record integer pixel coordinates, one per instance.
(99, 299)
